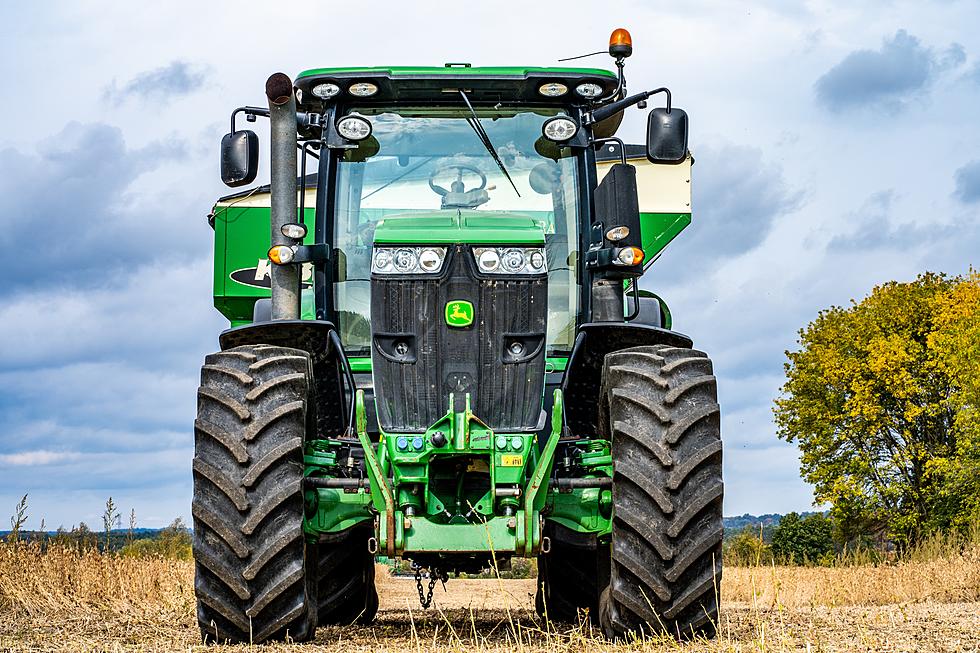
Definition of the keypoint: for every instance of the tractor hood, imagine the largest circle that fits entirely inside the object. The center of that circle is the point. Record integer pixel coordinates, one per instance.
(450, 227)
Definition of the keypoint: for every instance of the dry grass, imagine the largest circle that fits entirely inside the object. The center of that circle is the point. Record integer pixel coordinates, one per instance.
(66, 601)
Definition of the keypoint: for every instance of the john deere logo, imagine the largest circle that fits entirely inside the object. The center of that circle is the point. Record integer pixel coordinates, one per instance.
(459, 313)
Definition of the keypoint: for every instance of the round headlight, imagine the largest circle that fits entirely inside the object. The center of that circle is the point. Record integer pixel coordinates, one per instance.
(488, 260)
(405, 260)
(513, 260)
(429, 260)
(553, 89)
(354, 128)
(517, 442)
(363, 89)
(501, 442)
(382, 259)
(325, 91)
(536, 260)
(589, 90)
(559, 129)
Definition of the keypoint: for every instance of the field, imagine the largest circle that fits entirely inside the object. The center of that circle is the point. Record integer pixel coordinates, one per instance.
(64, 601)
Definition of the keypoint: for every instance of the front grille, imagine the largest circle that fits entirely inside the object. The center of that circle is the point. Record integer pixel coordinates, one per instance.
(418, 360)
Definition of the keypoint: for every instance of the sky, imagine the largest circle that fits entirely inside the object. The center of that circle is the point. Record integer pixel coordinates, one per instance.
(837, 147)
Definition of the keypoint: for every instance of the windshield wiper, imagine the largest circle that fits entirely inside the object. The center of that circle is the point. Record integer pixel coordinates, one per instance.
(481, 133)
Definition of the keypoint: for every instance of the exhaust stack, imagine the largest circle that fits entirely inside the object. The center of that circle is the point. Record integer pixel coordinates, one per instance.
(282, 115)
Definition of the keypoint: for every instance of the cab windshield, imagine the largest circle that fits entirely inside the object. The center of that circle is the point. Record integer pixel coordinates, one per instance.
(432, 161)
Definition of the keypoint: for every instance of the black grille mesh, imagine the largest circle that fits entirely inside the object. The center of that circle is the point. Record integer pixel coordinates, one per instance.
(412, 391)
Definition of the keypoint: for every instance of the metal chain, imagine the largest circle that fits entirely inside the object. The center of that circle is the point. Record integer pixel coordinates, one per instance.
(425, 598)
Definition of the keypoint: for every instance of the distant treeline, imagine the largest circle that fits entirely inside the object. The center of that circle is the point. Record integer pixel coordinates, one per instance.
(174, 541)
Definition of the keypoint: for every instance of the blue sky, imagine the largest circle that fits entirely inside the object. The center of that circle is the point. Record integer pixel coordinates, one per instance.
(837, 147)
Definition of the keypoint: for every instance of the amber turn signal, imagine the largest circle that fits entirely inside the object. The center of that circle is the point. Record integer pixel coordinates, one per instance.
(629, 256)
(281, 254)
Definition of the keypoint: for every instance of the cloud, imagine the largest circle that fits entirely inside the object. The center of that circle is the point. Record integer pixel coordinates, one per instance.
(968, 183)
(737, 197)
(885, 78)
(77, 190)
(875, 230)
(973, 74)
(159, 85)
(37, 457)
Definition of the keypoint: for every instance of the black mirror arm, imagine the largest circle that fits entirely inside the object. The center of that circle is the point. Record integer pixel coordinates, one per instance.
(250, 113)
(612, 109)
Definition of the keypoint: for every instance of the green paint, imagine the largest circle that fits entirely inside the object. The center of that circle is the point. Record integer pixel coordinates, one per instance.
(455, 71)
(459, 313)
(658, 229)
(450, 227)
(587, 510)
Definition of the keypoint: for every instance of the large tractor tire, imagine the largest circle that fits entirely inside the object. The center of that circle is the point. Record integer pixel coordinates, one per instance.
(345, 574)
(660, 407)
(255, 576)
(568, 578)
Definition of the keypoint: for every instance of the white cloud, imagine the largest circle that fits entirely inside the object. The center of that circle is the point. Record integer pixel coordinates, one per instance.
(38, 457)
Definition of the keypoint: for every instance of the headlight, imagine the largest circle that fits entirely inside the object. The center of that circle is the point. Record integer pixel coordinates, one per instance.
(618, 233)
(363, 89)
(514, 260)
(559, 129)
(325, 91)
(294, 230)
(553, 89)
(488, 260)
(430, 260)
(408, 260)
(589, 90)
(511, 260)
(354, 128)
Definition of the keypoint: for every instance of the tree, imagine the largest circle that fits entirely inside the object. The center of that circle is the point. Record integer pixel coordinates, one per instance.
(747, 547)
(957, 343)
(803, 539)
(84, 536)
(874, 400)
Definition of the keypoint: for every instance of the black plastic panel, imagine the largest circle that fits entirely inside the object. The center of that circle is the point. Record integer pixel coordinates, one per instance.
(505, 391)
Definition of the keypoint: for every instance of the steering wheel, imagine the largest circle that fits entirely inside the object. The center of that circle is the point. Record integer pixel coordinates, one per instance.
(457, 186)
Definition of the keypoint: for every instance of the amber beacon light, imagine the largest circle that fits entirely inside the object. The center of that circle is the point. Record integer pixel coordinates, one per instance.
(620, 43)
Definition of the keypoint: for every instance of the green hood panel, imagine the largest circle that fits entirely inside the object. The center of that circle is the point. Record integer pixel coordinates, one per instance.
(470, 227)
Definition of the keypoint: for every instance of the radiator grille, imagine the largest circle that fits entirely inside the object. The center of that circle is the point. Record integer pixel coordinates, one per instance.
(412, 388)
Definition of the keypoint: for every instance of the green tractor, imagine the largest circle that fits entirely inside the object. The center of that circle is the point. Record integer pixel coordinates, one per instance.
(442, 354)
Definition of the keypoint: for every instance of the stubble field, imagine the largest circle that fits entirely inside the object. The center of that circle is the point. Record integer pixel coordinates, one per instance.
(64, 601)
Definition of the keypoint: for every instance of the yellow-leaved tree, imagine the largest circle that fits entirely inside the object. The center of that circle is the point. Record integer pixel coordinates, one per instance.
(956, 340)
(881, 399)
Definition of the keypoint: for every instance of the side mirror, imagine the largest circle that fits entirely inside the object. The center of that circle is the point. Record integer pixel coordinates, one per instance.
(667, 136)
(239, 158)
